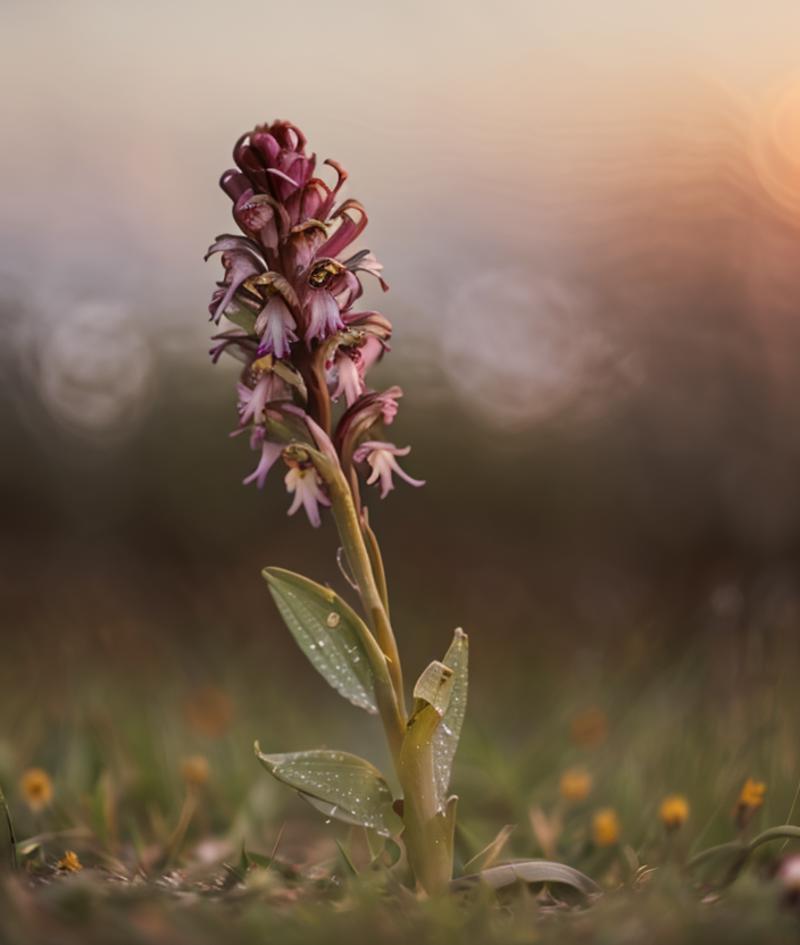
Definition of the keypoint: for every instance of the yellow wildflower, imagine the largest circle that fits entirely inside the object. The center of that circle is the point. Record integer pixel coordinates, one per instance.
(605, 827)
(752, 794)
(36, 789)
(751, 797)
(195, 770)
(575, 785)
(69, 862)
(674, 811)
(590, 727)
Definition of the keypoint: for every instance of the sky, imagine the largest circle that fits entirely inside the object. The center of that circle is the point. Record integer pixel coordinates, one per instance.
(509, 155)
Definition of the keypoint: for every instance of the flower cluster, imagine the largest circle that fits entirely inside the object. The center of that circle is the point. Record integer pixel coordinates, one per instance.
(290, 290)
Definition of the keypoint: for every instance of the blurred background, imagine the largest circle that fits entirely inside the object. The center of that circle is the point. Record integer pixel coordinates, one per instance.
(589, 215)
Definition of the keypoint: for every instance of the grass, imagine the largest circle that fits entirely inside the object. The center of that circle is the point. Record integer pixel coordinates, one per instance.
(182, 837)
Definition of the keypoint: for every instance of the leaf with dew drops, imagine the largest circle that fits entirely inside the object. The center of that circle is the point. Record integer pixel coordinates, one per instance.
(340, 785)
(329, 632)
(445, 739)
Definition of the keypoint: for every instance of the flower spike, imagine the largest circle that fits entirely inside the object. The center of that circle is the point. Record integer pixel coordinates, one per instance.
(291, 280)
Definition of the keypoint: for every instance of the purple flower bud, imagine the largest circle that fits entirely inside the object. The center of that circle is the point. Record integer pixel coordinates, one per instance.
(273, 158)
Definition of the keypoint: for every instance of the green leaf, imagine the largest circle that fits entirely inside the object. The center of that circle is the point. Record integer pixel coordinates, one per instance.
(287, 373)
(784, 832)
(339, 784)
(445, 739)
(434, 687)
(484, 858)
(393, 853)
(349, 868)
(530, 871)
(719, 865)
(428, 816)
(329, 632)
(722, 864)
(240, 316)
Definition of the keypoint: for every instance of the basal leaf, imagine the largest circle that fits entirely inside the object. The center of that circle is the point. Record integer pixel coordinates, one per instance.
(347, 863)
(783, 832)
(445, 739)
(721, 865)
(339, 784)
(329, 632)
(489, 855)
(531, 871)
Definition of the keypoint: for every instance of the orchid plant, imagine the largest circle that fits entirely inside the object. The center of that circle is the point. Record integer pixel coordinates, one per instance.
(290, 292)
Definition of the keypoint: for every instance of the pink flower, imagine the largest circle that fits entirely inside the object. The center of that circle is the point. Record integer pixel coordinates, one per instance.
(322, 313)
(269, 454)
(345, 288)
(359, 420)
(237, 342)
(381, 457)
(262, 218)
(302, 245)
(304, 482)
(253, 400)
(348, 373)
(241, 260)
(349, 368)
(319, 437)
(365, 261)
(348, 229)
(387, 402)
(275, 327)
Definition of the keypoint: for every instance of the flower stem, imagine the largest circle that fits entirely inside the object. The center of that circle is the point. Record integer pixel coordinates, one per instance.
(428, 832)
(429, 826)
(358, 558)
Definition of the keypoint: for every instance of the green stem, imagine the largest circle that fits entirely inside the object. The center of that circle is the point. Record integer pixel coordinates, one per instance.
(352, 536)
(377, 561)
(429, 830)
